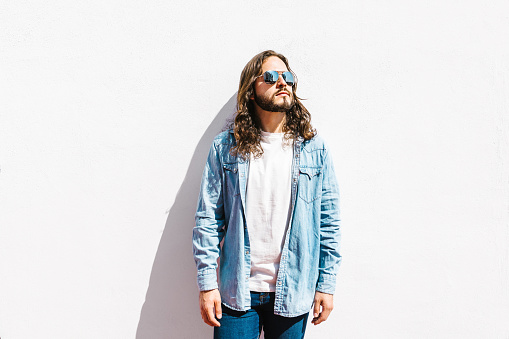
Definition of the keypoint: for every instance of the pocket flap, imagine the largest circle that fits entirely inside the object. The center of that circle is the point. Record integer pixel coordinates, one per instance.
(231, 167)
(310, 171)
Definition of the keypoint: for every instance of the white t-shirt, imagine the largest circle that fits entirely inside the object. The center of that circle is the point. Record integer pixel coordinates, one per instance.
(268, 200)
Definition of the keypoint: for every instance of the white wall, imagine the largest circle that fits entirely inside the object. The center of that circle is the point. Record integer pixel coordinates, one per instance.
(107, 110)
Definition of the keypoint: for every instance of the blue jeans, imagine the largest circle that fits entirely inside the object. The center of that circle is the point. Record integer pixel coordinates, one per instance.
(248, 324)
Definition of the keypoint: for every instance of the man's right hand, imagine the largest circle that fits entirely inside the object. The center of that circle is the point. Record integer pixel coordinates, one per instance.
(210, 307)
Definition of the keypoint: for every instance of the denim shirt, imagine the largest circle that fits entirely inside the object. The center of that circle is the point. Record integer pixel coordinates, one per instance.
(310, 257)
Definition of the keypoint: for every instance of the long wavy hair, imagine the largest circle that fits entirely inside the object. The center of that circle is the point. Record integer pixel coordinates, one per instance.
(246, 124)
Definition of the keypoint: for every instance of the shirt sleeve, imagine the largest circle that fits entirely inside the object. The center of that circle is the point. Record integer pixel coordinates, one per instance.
(330, 233)
(209, 229)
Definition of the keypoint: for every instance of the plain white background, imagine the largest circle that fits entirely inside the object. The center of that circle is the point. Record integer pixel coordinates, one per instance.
(108, 108)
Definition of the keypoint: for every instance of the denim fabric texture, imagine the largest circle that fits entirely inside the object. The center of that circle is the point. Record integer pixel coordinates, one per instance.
(248, 324)
(310, 257)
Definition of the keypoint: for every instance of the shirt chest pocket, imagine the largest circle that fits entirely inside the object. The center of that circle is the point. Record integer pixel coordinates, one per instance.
(231, 178)
(310, 183)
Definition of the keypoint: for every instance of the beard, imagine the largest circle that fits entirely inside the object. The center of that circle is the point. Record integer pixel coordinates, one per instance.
(269, 103)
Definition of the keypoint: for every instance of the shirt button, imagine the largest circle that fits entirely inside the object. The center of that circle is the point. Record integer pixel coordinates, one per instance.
(247, 252)
(279, 283)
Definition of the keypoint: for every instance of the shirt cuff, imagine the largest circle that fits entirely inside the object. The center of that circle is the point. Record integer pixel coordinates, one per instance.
(207, 279)
(326, 284)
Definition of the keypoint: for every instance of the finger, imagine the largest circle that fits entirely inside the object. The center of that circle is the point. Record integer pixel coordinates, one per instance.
(217, 305)
(212, 321)
(323, 315)
(205, 317)
(316, 308)
(318, 320)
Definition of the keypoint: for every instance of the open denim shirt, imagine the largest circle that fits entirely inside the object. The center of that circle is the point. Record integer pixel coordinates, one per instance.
(310, 256)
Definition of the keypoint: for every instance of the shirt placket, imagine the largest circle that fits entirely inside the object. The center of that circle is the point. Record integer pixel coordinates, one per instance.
(243, 167)
(283, 264)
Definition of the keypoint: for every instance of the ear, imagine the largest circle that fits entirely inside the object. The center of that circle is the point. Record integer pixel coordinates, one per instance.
(251, 97)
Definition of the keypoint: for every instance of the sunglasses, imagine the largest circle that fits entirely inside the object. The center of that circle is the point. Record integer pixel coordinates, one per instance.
(271, 77)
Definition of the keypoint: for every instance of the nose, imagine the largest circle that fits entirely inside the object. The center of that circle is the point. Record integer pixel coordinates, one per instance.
(280, 81)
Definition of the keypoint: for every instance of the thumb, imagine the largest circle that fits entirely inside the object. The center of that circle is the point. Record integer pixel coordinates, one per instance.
(217, 305)
(316, 308)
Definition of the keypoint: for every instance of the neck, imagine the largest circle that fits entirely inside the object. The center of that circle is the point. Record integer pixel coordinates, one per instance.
(272, 122)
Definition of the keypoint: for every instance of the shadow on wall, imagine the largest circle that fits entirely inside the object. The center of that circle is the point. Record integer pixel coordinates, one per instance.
(171, 305)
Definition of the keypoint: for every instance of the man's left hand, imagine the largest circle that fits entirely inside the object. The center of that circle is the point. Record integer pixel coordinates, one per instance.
(325, 302)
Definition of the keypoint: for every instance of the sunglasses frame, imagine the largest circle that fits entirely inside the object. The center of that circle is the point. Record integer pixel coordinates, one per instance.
(279, 73)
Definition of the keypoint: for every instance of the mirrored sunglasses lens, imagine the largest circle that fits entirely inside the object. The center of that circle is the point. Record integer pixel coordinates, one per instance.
(270, 77)
(288, 76)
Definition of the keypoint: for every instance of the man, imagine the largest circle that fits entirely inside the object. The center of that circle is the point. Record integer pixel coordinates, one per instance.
(269, 192)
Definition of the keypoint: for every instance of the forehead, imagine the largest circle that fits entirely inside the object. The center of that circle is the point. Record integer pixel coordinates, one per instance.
(273, 63)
